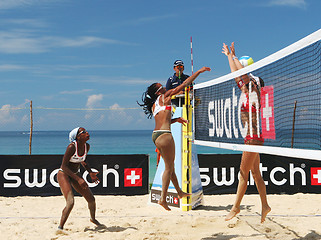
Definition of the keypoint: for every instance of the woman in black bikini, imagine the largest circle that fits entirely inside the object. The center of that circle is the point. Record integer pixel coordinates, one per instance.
(250, 161)
(69, 175)
(157, 103)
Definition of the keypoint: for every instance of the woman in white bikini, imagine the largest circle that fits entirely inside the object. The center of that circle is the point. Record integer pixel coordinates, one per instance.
(157, 103)
(69, 175)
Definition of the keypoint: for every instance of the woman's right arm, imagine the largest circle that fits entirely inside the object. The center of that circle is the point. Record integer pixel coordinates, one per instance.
(235, 65)
(187, 82)
(235, 59)
(231, 62)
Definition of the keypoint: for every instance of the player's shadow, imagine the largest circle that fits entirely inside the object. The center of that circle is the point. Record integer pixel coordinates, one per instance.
(311, 235)
(103, 228)
(221, 236)
(220, 208)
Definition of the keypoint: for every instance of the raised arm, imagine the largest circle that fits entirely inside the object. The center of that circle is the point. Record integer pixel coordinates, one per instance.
(235, 65)
(187, 82)
(235, 59)
(231, 62)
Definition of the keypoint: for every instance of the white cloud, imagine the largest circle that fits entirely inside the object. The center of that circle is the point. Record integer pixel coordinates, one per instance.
(119, 115)
(94, 100)
(121, 80)
(151, 19)
(17, 42)
(9, 4)
(142, 20)
(24, 22)
(291, 3)
(24, 41)
(75, 92)
(11, 67)
(115, 107)
(6, 115)
(9, 113)
(81, 41)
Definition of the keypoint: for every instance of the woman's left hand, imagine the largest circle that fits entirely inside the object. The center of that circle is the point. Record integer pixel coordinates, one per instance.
(225, 50)
(182, 121)
(232, 49)
(94, 177)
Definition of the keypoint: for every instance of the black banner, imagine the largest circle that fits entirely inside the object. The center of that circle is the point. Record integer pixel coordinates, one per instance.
(219, 174)
(36, 175)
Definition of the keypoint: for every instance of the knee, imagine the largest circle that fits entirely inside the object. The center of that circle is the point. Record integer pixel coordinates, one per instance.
(70, 203)
(244, 175)
(169, 170)
(256, 176)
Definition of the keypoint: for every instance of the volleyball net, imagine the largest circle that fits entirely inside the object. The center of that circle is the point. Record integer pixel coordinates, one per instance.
(289, 117)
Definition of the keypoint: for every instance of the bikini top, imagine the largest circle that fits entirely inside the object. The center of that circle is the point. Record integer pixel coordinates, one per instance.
(246, 106)
(76, 158)
(159, 108)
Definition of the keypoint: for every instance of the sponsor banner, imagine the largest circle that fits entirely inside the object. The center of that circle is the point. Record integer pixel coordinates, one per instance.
(171, 198)
(219, 174)
(267, 112)
(197, 190)
(36, 175)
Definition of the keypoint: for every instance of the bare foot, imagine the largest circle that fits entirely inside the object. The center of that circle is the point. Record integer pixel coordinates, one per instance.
(232, 214)
(95, 221)
(164, 205)
(60, 231)
(183, 194)
(265, 211)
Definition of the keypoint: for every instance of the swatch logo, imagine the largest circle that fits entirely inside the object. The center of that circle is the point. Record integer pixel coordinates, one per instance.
(133, 177)
(267, 112)
(316, 176)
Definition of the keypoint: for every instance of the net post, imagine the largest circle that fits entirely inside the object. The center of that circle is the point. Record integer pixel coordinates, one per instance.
(187, 153)
(293, 124)
(31, 128)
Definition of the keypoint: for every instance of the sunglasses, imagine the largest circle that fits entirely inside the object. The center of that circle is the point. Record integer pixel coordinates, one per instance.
(81, 132)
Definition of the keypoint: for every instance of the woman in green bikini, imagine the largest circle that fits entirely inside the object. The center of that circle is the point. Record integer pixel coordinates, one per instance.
(157, 103)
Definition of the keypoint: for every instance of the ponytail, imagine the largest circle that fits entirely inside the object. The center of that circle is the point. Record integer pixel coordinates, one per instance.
(148, 98)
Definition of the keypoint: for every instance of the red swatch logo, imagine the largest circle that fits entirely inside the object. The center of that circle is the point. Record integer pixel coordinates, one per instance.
(133, 177)
(267, 112)
(316, 176)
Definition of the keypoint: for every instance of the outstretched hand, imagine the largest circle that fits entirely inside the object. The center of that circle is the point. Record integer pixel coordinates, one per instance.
(203, 69)
(182, 121)
(232, 49)
(225, 49)
(94, 177)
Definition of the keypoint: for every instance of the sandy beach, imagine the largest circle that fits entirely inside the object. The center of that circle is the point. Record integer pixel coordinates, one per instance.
(131, 217)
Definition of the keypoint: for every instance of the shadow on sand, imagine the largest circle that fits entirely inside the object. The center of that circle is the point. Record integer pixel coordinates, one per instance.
(102, 228)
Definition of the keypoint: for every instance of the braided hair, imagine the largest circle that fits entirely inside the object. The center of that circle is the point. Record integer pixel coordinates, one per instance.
(149, 97)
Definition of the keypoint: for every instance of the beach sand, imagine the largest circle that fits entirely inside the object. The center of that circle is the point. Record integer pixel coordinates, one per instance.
(131, 217)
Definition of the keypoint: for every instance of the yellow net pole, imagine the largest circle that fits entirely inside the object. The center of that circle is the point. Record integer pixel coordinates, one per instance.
(187, 152)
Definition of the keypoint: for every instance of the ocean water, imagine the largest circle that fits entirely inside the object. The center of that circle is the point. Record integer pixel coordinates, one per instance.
(101, 142)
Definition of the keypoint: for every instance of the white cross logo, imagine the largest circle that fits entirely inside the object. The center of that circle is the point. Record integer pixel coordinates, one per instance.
(318, 176)
(267, 112)
(132, 177)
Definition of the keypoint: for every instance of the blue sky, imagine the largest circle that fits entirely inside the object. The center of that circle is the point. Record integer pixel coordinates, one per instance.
(102, 54)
